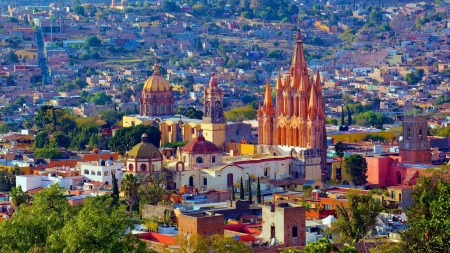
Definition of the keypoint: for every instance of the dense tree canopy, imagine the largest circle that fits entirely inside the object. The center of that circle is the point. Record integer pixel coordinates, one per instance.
(355, 166)
(127, 137)
(355, 220)
(240, 114)
(428, 216)
(50, 224)
(189, 112)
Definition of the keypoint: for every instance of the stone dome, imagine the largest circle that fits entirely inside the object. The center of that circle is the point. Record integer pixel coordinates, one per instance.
(144, 150)
(156, 82)
(200, 146)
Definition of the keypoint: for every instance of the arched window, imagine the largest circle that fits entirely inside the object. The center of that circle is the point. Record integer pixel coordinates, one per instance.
(161, 108)
(154, 96)
(230, 179)
(399, 177)
(92, 172)
(213, 159)
(99, 173)
(130, 167)
(409, 133)
(191, 181)
(420, 134)
(143, 167)
(266, 172)
(86, 172)
(155, 108)
(199, 160)
(106, 173)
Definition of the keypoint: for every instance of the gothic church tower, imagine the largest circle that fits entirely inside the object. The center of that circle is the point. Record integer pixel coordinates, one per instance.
(298, 119)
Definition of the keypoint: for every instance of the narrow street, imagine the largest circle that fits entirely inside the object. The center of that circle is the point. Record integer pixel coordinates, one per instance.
(42, 55)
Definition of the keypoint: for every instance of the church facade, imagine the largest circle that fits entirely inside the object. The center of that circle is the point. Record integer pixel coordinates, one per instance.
(297, 120)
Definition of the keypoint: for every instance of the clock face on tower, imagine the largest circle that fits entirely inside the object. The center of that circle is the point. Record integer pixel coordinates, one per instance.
(407, 145)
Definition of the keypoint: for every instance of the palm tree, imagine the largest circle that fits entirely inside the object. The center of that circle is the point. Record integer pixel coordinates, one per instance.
(340, 149)
(129, 187)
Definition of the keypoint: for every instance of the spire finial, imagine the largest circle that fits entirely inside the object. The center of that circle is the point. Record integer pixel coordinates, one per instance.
(299, 35)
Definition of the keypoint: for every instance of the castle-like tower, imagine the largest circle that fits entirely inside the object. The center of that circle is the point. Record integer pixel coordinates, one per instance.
(298, 119)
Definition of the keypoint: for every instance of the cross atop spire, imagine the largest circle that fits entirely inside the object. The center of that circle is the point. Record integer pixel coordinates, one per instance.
(299, 36)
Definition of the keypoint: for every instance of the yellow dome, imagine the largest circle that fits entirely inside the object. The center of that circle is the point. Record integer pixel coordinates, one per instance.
(156, 82)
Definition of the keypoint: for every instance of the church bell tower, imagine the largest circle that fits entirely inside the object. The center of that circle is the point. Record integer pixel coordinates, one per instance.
(415, 146)
(213, 123)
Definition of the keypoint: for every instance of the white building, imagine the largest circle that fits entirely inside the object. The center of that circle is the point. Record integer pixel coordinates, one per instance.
(101, 171)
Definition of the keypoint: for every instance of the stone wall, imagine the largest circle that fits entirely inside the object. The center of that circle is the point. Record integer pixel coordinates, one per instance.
(149, 211)
(237, 131)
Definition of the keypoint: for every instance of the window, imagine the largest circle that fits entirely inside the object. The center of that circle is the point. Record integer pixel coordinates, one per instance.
(294, 231)
(392, 194)
(213, 159)
(184, 159)
(205, 181)
(199, 160)
(155, 108)
(143, 167)
(86, 172)
(106, 173)
(266, 172)
(327, 207)
(130, 167)
(154, 96)
(99, 173)
(161, 108)
(92, 172)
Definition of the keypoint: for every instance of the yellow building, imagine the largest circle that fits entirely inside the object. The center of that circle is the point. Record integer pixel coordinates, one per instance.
(358, 137)
(24, 168)
(27, 54)
(178, 128)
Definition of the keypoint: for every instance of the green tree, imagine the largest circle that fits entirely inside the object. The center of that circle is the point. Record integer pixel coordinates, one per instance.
(100, 98)
(355, 166)
(220, 243)
(115, 187)
(442, 99)
(93, 141)
(241, 190)
(8, 127)
(12, 57)
(356, 219)
(61, 140)
(258, 193)
(240, 114)
(348, 35)
(342, 117)
(233, 193)
(331, 121)
(8, 178)
(127, 137)
(79, 10)
(18, 197)
(428, 216)
(322, 246)
(129, 186)
(152, 188)
(92, 41)
(41, 140)
(49, 153)
(340, 149)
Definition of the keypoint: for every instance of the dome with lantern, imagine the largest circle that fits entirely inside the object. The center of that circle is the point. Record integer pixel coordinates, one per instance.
(144, 157)
(156, 82)
(200, 153)
(157, 98)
